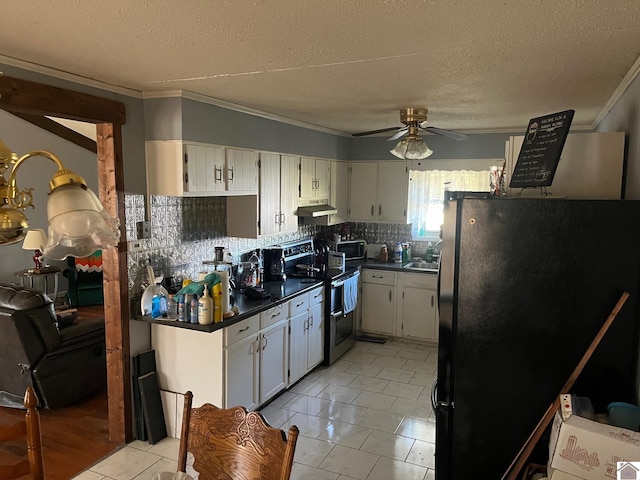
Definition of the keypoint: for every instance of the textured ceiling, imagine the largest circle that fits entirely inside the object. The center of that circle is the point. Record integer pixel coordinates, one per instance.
(345, 65)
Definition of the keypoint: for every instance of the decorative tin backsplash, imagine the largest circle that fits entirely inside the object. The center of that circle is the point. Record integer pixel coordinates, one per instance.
(184, 232)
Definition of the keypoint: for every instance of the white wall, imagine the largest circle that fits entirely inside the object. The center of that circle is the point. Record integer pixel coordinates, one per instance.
(23, 137)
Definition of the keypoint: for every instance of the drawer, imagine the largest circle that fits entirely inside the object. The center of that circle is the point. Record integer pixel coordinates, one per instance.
(419, 280)
(240, 330)
(298, 304)
(273, 315)
(316, 296)
(381, 277)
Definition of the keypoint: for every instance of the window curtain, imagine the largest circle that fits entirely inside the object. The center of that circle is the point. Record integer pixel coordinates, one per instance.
(426, 196)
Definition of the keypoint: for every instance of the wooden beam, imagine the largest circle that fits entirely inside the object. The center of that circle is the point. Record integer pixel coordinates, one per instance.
(116, 293)
(59, 130)
(23, 96)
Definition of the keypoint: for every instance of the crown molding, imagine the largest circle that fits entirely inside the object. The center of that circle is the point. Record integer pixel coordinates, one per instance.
(628, 79)
(71, 77)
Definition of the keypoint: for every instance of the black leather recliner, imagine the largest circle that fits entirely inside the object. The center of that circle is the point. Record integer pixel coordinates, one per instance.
(64, 364)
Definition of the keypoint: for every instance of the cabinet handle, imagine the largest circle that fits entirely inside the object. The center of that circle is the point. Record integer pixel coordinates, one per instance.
(372, 210)
(311, 321)
(379, 210)
(275, 220)
(376, 276)
(299, 304)
(218, 174)
(432, 300)
(306, 325)
(266, 341)
(230, 175)
(243, 329)
(389, 295)
(274, 315)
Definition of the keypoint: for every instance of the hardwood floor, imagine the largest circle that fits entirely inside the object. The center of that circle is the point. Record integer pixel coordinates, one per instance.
(73, 438)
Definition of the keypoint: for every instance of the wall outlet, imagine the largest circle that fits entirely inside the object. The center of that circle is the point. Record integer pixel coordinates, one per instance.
(144, 229)
(135, 246)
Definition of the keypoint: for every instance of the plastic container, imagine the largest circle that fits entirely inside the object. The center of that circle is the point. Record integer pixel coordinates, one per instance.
(397, 253)
(624, 415)
(172, 307)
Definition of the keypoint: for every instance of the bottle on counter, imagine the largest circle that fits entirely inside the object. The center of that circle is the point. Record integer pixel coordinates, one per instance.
(193, 311)
(254, 260)
(384, 254)
(155, 306)
(397, 253)
(217, 303)
(205, 307)
(182, 316)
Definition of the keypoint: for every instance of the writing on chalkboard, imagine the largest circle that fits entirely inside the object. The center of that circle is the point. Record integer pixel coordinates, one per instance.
(541, 150)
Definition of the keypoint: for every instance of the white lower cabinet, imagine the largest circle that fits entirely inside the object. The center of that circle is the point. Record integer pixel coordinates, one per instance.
(315, 339)
(378, 301)
(306, 340)
(243, 364)
(274, 359)
(400, 304)
(417, 306)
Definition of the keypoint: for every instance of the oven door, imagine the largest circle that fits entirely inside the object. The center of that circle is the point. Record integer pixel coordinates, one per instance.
(341, 335)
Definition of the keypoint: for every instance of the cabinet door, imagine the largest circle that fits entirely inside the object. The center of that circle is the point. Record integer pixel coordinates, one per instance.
(323, 178)
(242, 171)
(339, 196)
(393, 191)
(307, 177)
(362, 191)
(298, 346)
(418, 313)
(242, 367)
(274, 360)
(378, 308)
(269, 193)
(289, 181)
(315, 337)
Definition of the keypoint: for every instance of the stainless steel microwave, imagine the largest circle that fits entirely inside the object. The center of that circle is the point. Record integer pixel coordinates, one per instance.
(352, 249)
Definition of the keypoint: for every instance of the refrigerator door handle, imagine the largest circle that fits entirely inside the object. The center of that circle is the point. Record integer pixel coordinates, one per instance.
(434, 394)
(434, 398)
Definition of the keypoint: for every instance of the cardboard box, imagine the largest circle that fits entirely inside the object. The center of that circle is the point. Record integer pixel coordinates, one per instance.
(587, 449)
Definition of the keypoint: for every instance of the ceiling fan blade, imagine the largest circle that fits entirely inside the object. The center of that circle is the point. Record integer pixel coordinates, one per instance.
(372, 132)
(399, 134)
(446, 133)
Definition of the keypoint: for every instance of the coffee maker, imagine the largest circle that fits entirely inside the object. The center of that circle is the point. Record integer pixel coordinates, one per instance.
(274, 264)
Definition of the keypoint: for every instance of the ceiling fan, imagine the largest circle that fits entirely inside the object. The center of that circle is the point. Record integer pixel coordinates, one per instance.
(412, 146)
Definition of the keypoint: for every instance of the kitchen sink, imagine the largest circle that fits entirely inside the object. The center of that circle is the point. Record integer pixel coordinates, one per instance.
(423, 266)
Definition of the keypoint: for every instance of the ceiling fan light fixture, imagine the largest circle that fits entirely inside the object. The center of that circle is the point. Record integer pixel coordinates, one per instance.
(411, 148)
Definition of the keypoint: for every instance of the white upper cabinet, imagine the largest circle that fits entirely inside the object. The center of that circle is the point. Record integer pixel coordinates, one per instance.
(314, 178)
(242, 171)
(379, 191)
(274, 209)
(193, 169)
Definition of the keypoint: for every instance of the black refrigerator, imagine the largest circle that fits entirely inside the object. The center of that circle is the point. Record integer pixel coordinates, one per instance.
(525, 284)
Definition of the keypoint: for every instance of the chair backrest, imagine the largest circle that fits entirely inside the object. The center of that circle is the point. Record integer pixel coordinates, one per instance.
(29, 429)
(234, 443)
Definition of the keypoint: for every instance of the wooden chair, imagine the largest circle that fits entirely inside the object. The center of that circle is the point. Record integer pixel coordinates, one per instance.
(29, 428)
(234, 444)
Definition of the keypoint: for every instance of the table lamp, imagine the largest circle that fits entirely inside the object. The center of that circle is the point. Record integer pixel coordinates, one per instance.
(35, 240)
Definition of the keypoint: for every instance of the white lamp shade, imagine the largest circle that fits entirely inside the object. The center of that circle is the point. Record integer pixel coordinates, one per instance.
(417, 149)
(35, 239)
(78, 224)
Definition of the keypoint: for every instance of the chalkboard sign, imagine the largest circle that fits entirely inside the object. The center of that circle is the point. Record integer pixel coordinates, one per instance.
(541, 149)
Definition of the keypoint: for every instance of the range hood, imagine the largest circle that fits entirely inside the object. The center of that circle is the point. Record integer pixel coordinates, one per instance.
(316, 211)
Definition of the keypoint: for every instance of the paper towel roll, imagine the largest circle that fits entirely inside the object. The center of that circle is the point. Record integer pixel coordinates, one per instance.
(224, 279)
(202, 275)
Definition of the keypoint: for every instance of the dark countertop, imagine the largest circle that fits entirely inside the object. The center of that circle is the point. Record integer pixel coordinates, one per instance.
(281, 292)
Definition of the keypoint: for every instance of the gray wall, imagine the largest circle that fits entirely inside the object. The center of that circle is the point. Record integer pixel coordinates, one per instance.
(477, 146)
(186, 119)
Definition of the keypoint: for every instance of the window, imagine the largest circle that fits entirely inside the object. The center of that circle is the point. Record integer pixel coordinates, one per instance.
(426, 197)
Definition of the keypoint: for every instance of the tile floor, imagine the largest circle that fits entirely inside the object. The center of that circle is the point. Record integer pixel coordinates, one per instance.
(366, 417)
